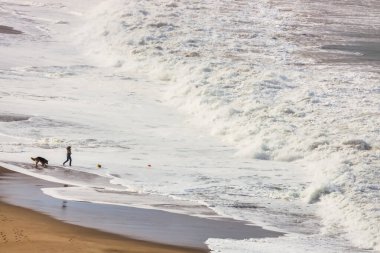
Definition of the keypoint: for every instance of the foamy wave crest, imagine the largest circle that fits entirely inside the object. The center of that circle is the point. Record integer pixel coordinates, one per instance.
(289, 243)
(234, 67)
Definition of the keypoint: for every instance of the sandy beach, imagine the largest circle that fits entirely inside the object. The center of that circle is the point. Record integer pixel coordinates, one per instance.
(31, 219)
(25, 230)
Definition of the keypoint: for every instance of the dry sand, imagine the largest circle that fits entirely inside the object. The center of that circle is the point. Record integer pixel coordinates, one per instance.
(24, 230)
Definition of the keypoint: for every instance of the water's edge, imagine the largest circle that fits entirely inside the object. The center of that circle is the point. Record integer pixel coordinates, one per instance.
(137, 223)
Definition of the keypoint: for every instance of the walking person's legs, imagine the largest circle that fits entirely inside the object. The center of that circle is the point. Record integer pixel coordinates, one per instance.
(68, 159)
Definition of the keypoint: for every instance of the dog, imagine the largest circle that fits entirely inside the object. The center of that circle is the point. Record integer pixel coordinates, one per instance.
(41, 160)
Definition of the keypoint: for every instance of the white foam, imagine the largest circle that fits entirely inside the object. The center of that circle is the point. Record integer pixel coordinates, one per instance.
(289, 243)
(129, 198)
(245, 84)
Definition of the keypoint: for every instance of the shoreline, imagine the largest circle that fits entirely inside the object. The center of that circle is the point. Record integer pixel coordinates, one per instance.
(26, 230)
(163, 229)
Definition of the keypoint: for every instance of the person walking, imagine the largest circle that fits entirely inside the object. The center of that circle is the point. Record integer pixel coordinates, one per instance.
(68, 149)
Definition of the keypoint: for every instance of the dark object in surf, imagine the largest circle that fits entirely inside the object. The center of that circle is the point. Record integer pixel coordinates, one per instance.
(41, 160)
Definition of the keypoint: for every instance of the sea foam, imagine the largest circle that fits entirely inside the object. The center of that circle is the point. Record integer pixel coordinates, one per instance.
(239, 72)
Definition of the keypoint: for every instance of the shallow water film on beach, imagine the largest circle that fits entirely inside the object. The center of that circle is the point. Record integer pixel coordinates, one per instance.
(266, 111)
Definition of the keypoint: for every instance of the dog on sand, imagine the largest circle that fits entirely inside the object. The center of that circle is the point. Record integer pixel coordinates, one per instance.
(41, 160)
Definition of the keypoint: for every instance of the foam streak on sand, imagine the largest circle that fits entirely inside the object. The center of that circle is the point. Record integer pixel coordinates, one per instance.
(289, 91)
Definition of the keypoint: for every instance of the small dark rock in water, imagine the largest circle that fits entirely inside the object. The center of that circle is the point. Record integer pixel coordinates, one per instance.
(8, 30)
(11, 118)
(358, 144)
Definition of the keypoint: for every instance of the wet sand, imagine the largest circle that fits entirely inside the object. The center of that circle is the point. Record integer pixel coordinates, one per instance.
(187, 233)
(8, 30)
(23, 230)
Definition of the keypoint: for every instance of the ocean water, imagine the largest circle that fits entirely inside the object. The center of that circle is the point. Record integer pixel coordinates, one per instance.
(263, 111)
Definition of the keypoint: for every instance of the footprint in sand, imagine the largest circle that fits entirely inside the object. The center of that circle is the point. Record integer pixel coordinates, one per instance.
(19, 235)
(3, 237)
(4, 218)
